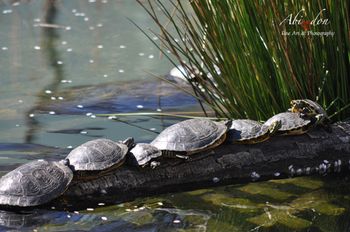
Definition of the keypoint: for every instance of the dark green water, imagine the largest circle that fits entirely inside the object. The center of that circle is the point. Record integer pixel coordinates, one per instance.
(62, 65)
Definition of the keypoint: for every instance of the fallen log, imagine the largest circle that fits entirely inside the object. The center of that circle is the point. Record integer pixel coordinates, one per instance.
(317, 152)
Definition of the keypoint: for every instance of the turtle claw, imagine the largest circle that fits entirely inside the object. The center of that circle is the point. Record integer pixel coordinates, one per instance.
(320, 119)
(154, 164)
(185, 157)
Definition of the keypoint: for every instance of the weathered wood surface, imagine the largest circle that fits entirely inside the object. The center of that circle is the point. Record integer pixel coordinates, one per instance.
(316, 152)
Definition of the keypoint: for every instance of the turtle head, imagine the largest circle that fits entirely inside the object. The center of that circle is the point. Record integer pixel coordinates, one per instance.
(275, 126)
(228, 123)
(310, 109)
(303, 107)
(66, 163)
(129, 142)
(306, 107)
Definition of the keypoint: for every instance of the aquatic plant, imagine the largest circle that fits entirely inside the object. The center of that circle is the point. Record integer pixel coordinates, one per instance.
(248, 59)
(292, 204)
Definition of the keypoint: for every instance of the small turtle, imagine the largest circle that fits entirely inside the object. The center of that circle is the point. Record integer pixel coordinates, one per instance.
(100, 155)
(34, 183)
(142, 154)
(310, 109)
(190, 136)
(248, 131)
(291, 123)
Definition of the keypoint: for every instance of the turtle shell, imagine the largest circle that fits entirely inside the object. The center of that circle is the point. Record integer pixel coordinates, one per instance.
(97, 155)
(34, 183)
(190, 136)
(246, 129)
(291, 123)
(142, 153)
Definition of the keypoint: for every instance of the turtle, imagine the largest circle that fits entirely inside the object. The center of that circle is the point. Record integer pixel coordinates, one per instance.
(310, 109)
(98, 156)
(291, 123)
(34, 183)
(249, 131)
(190, 136)
(142, 154)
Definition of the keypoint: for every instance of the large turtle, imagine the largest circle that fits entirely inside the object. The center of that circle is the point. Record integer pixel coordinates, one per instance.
(249, 131)
(310, 109)
(291, 123)
(39, 182)
(142, 155)
(190, 136)
(99, 155)
(34, 183)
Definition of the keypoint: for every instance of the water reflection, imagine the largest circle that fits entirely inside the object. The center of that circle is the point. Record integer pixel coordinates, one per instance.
(114, 218)
(18, 220)
(90, 100)
(321, 205)
(60, 48)
(49, 39)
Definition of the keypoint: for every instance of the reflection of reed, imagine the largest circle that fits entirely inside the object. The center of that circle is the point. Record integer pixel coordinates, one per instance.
(16, 55)
(48, 42)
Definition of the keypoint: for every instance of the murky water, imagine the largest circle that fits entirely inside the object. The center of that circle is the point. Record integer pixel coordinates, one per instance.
(63, 64)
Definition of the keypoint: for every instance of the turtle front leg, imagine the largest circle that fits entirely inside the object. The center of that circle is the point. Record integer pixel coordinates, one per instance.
(174, 154)
(275, 126)
(324, 122)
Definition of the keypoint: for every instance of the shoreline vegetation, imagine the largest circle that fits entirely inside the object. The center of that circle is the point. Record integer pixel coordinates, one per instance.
(243, 61)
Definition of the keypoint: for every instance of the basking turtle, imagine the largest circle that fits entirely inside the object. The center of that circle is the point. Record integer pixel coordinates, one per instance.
(291, 123)
(34, 183)
(142, 154)
(101, 155)
(249, 131)
(310, 109)
(190, 136)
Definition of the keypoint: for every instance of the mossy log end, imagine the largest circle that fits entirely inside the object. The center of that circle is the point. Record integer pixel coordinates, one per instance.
(317, 152)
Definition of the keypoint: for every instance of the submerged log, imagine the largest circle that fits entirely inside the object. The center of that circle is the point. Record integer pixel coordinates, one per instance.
(317, 152)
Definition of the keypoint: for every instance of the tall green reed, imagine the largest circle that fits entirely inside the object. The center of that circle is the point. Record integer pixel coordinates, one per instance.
(261, 66)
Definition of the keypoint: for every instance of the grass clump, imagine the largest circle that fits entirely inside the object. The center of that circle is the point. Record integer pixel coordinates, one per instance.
(242, 61)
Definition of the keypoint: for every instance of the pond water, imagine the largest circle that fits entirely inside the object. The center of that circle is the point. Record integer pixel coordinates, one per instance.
(64, 62)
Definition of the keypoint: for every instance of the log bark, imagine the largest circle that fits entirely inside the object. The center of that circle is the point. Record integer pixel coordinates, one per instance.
(317, 152)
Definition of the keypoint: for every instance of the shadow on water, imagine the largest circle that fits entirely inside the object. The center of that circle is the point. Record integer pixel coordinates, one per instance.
(119, 98)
